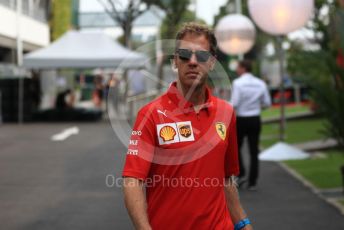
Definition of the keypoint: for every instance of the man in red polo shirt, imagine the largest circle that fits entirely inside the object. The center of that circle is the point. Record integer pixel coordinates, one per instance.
(183, 149)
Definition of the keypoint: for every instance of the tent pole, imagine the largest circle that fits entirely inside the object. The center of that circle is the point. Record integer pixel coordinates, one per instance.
(19, 60)
(21, 100)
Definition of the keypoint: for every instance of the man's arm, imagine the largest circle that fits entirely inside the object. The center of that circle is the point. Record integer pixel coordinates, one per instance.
(266, 100)
(135, 202)
(233, 202)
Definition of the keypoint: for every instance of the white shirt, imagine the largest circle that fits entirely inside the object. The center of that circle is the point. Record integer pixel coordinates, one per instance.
(249, 95)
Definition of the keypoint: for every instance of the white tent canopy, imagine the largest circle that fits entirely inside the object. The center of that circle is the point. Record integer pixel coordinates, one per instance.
(84, 50)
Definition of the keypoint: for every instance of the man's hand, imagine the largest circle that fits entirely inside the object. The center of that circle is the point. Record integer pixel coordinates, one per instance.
(233, 202)
(247, 227)
(135, 201)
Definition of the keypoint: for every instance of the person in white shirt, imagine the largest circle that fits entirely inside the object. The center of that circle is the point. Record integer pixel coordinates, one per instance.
(249, 96)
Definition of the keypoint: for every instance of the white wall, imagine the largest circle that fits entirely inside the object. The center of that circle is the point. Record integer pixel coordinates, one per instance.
(32, 31)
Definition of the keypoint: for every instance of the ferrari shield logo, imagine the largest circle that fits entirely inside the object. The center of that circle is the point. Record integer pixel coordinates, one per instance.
(221, 130)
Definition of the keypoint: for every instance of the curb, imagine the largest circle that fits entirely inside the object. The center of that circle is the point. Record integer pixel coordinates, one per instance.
(317, 145)
(294, 116)
(316, 191)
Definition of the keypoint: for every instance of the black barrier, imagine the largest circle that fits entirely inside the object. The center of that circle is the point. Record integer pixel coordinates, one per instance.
(9, 88)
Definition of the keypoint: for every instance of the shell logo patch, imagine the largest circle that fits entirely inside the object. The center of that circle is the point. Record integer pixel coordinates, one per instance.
(167, 133)
(221, 130)
(184, 130)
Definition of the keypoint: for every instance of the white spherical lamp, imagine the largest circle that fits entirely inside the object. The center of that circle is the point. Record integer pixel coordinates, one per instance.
(235, 34)
(279, 17)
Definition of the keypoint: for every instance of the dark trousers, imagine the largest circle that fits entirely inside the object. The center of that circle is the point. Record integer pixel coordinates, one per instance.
(250, 127)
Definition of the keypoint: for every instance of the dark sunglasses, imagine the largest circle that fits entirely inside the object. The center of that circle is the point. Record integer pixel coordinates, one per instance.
(186, 54)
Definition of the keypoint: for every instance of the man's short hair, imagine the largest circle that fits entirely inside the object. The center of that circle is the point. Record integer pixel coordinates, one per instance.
(246, 64)
(197, 29)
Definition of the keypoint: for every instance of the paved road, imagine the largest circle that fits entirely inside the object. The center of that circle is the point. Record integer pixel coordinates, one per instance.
(62, 185)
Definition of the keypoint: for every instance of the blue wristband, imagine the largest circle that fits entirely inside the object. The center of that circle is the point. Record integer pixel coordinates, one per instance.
(242, 223)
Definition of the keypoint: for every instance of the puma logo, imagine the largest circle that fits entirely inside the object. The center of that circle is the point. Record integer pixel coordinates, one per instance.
(164, 113)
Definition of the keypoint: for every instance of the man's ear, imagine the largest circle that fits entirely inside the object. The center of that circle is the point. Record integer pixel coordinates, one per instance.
(174, 65)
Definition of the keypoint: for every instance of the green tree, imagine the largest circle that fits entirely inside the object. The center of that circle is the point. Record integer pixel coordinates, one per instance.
(320, 68)
(125, 14)
(61, 18)
(175, 14)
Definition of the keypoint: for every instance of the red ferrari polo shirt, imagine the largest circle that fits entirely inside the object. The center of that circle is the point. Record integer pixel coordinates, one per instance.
(183, 157)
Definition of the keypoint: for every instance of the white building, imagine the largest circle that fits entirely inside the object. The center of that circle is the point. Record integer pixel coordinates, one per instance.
(31, 26)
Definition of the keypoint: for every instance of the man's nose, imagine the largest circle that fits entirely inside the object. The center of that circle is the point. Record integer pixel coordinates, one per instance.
(193, 59)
